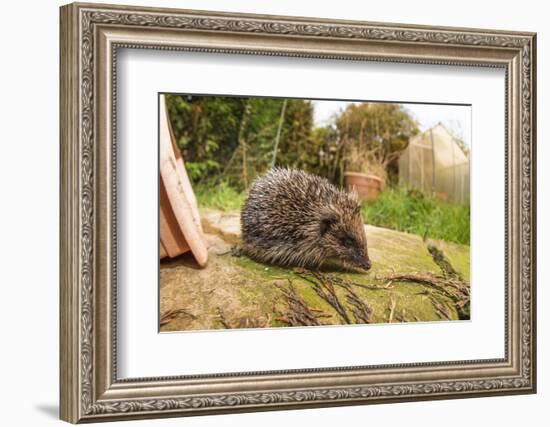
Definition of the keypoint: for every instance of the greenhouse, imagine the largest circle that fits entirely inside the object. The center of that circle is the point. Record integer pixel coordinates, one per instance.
(437, 163)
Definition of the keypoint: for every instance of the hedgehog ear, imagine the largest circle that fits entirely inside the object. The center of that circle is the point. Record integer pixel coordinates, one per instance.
(326, 223)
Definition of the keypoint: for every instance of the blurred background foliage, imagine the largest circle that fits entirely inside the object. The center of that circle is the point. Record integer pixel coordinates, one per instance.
(234, 139)
(228, 141)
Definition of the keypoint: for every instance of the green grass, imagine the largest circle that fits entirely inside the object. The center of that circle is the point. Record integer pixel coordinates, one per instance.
(221, 197)
(413, 212)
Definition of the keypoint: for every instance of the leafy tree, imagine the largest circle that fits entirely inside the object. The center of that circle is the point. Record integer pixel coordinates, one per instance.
(205, 128)
(374, 133)
(233, 138)
(383, 126)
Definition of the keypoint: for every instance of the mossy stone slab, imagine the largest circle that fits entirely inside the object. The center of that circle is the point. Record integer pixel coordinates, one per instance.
(237, 292)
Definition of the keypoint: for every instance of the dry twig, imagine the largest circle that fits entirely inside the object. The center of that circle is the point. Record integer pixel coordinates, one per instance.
(170, 315)
(222, 319)
(457, 290)
(393, 303)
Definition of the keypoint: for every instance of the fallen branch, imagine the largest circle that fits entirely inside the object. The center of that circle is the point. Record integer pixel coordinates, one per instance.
(344, 283)
(325, 290)
(323, 285)
(297, 313)
(170, 315)
(457, 290)
(454, 288)
(441, 309)
(360, 309)
(443, 263)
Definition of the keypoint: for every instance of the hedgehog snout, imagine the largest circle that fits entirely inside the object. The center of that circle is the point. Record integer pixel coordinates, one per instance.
(361, 259)
(366, 264)
(363, 262)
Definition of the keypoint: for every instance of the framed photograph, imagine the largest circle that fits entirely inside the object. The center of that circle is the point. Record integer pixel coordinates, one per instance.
(266, 212)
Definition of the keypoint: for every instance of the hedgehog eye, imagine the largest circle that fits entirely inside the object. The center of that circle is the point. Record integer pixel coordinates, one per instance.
(348, 242)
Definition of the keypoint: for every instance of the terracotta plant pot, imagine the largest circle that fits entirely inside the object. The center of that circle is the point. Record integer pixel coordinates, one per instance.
(368, 187)
(180, 223)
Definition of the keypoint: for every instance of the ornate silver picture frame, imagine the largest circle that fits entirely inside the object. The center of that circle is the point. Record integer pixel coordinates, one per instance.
(91, 34)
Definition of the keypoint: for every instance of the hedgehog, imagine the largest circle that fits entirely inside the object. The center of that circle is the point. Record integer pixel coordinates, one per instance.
(295, 219)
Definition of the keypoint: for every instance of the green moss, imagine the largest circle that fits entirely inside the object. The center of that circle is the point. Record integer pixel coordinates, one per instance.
(413, 302)
(262, 271)
(247, 291)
